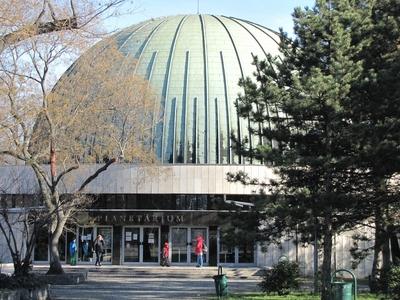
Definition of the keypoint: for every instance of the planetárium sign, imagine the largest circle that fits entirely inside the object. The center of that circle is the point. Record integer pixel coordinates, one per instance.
(134, 218)
(104, 217)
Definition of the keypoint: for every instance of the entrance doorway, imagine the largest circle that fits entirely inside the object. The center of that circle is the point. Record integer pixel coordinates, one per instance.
(141, 244)
(86, 237)
(183, 243)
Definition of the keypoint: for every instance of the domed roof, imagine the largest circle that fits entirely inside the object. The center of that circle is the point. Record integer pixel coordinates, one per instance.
(194, 63)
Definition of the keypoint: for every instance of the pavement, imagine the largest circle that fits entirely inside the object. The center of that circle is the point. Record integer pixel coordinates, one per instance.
(140, 288)
(155, 282)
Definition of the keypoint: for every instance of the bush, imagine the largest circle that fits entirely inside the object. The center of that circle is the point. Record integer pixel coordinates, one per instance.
(394, 282)
(281, 279)
(30, 281)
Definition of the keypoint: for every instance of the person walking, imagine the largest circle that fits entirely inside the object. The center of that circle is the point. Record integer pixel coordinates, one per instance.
(99, 248)
(198, 250)
(165, 255)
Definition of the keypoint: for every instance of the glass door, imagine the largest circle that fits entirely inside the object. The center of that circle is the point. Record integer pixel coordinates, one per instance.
(194, 233)
(41, 251)
(132, 244)
(150, 244)
(85, 242)
(179, 245)
(106, 232)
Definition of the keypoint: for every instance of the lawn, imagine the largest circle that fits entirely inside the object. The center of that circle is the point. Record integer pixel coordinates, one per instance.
(293, 296)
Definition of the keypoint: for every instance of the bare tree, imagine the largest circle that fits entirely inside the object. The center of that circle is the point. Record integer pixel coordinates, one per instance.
(23, 218)
(86, 117)
(20, 228)
(20, 222)
(20, 20)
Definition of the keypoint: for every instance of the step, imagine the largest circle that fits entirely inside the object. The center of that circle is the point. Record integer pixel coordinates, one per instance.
(159, 272)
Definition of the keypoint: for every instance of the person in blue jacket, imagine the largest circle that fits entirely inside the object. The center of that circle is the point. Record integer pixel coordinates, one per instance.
(72, 251)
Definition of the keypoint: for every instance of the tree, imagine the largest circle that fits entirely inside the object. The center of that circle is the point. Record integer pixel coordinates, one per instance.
(84, 118)
(20, 22)
(300, 100)
(20, 226)
(375, 110)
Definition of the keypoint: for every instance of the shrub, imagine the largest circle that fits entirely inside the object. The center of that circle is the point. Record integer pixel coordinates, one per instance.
(394, 282)
(29, 281)
(281, 279)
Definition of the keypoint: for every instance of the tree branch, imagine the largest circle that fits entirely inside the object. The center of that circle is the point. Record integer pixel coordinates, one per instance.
(37, 29)
(62, 174)
(95, 174)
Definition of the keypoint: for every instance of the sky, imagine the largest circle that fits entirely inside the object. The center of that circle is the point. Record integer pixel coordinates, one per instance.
(270, 13)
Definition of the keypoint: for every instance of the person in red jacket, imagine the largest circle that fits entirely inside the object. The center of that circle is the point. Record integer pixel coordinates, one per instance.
(198, 250)
(165, 255)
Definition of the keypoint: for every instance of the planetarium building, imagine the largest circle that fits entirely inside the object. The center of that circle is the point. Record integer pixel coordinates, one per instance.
(194, 64)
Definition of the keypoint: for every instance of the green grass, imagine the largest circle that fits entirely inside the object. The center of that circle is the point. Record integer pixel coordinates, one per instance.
(292, 296)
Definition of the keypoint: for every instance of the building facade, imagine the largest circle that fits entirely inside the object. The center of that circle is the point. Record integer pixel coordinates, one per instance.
(193, 63)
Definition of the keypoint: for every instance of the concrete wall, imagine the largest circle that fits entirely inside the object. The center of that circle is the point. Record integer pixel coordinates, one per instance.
(341, 257)
(131, 179)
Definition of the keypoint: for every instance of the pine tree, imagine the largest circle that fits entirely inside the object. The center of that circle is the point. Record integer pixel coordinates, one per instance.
(375, 111)
(301, 101)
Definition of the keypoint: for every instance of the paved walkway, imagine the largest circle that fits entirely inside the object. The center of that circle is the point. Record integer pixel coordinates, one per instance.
(142, 288)
(138, 283)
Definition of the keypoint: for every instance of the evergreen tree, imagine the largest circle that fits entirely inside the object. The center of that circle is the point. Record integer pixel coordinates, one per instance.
(301, 101)
(375, 112)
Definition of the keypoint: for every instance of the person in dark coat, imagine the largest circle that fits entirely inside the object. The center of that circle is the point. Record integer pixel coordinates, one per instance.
(99, 248)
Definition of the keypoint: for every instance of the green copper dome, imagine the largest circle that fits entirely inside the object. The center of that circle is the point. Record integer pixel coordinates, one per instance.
(194, 63)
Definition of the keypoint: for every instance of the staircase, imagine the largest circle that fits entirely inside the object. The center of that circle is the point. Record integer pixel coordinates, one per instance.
(160, 272)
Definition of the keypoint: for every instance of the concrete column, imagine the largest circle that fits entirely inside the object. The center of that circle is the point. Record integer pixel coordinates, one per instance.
(212, 247)
(116, 251)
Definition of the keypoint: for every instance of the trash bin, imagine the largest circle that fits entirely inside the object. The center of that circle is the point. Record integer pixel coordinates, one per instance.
(342, 290)
(221, 283)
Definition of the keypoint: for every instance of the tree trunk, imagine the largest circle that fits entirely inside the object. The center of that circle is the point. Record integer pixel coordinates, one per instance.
(381, 246)
(373, 283)
(386, 263)
(55, 264)
(327, 260)
(395, 247)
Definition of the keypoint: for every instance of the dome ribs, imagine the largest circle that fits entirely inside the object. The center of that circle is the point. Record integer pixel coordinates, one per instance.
(227, 108)
(206, 94)
(265, 53)
(261, 28)
(193, 64)
(182, 153)
(164, 102)
(132, 33)
(239, 133)
(141, 49)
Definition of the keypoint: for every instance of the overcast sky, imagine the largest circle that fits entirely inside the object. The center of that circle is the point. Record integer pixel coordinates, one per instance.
(270, 13)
